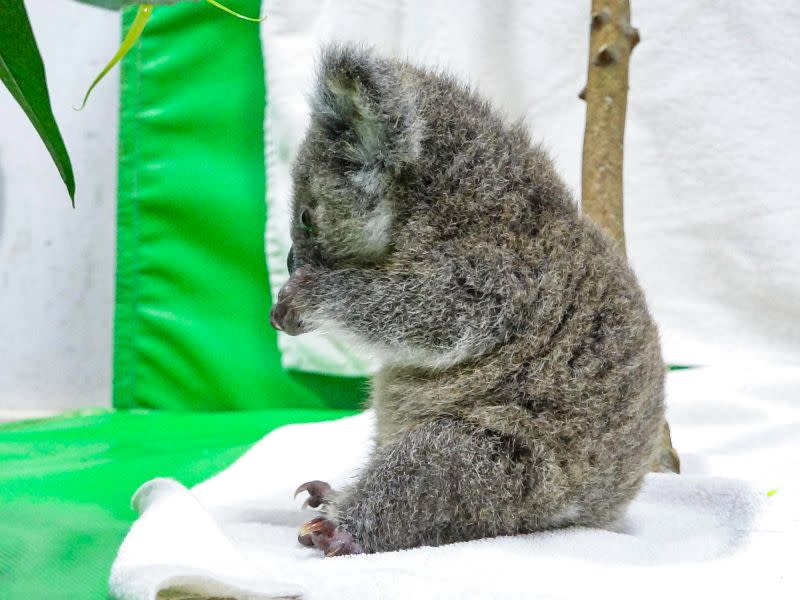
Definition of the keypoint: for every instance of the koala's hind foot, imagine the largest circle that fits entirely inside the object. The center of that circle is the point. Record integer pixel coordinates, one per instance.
(319, 493)
(326, 535)
(322, 532)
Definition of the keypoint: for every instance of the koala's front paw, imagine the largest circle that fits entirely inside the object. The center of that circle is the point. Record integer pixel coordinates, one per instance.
(326, 535)
(285, 315)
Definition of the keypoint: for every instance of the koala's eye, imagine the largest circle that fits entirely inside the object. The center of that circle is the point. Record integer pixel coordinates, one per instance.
(290, 261)
(307, 222)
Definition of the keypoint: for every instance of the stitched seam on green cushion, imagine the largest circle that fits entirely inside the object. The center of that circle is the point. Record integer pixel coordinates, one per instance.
(125, 313)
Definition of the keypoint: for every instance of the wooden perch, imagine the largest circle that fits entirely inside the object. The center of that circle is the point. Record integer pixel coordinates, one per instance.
(611, 41)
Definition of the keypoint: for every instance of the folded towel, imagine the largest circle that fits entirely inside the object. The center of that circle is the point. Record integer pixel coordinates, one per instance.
(235, 535)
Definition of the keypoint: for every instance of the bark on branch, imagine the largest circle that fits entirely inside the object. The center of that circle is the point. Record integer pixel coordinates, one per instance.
(611, 41)
(606, 93)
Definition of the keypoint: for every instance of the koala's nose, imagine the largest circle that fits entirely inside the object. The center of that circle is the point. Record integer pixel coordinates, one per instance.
(284, 318)
(277, 315)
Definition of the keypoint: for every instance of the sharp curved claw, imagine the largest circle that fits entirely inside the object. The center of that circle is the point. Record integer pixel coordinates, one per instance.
(324, 534)
(318, 493)
(342, 546)
(302, 488)
(335, 550)
(315, 525)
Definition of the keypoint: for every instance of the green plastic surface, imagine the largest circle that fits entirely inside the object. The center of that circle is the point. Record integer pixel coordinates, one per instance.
(66, 484)
(192, 307)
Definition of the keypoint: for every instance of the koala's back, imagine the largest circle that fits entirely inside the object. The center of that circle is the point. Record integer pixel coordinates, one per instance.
(576, 383)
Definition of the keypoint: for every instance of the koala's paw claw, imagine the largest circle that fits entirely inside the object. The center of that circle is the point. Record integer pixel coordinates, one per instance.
(318, 526)
(342, 543)
(319, 493)
(325, 535)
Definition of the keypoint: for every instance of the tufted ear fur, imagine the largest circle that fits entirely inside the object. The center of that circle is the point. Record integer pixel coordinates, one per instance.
(363, 106)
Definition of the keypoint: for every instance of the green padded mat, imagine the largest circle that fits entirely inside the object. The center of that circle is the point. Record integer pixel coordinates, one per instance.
(192, 307)
(66, 484)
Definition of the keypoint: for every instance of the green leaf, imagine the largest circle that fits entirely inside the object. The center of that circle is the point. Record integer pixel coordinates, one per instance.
(22, 71)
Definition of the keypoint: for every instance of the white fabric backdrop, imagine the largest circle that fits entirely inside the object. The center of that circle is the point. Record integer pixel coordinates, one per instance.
(56, 263)
(712, 145)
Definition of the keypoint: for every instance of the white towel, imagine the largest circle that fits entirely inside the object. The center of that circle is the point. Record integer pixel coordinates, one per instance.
(712, 529)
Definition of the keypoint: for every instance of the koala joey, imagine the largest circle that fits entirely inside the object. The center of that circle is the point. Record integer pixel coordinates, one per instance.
(522, 383)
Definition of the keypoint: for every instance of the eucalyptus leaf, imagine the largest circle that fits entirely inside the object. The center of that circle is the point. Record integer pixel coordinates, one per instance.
(22, 72)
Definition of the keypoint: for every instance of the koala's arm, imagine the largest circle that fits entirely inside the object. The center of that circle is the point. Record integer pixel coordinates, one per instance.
(443, 481)
(447, 301)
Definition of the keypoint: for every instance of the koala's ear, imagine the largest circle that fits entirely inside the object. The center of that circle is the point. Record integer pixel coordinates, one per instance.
(363, 105)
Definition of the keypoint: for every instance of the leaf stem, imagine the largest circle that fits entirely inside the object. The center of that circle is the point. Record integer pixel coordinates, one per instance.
(234, 13)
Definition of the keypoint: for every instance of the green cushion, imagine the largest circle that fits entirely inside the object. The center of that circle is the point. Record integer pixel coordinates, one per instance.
(192, 305)
(66, 484)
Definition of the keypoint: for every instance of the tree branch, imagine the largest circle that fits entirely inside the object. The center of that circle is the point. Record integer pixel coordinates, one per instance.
(610, 44)
(611, 41)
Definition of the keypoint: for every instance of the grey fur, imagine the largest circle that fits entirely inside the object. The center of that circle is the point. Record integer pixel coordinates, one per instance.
(522, 386)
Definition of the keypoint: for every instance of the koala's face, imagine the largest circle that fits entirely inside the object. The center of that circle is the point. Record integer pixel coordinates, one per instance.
(350, 175)
(364, 136)
(336, 221)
